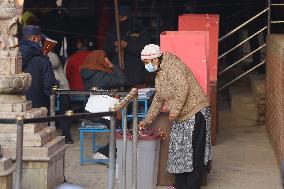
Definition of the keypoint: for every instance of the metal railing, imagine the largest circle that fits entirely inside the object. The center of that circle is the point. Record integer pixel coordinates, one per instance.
(132, 96)
(242, 25)
(267, 11)
(242, 59)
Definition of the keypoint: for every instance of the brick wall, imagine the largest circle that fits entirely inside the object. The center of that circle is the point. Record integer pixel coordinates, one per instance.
(275, 93)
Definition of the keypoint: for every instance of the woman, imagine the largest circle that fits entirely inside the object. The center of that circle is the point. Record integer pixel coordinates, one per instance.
(64, 100)
(190, 142)
(98, 71)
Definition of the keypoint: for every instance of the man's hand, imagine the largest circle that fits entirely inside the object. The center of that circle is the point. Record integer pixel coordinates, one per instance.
(122, 43)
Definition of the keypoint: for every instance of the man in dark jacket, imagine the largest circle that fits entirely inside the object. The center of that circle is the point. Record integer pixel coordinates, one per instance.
(133, 39)
(38, 65)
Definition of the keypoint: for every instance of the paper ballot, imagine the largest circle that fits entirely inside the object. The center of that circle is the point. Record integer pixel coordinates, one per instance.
(100, 103)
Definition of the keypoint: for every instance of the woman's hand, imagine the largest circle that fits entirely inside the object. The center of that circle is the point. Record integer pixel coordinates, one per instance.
(142, 125)
(172, 117)
(108, 62)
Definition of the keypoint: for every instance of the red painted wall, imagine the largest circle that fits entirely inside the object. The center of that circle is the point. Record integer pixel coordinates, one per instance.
(204, 22)
(191, 48)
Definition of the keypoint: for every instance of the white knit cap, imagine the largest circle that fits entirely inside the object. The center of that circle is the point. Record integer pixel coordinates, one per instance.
(151, 51)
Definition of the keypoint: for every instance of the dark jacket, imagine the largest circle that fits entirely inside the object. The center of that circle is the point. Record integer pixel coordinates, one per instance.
(41, 71)
(101, 79)
(134, 67)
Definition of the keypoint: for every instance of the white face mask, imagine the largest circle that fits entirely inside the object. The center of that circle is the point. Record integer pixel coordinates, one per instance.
(150, 67)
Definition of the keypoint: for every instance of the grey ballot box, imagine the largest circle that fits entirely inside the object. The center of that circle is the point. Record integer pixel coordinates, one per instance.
(147, 163)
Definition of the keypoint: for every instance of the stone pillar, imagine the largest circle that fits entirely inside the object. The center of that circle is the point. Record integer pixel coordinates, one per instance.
(6, 172)
(43, 152)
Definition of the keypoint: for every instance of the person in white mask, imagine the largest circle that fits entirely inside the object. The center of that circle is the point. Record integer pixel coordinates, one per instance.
(177, 89)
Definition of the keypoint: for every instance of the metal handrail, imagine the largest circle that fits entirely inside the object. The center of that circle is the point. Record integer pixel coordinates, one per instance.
(19, 151)
(269, 17)
(20, 121)
(131, 97)
(240, 60)
(56, 90)
(240, 76)
(241, 43)
(269, 22)
(277, 21)
(277, 4)
(124, 151)
(135, 145)
(242, 25)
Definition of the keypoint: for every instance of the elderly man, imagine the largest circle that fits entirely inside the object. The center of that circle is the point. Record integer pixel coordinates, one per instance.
(38, 65)
(177, 88)
(133, 39)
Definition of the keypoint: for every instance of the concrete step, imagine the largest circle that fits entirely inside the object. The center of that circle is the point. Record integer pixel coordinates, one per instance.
(228, 119)
(257, 85)
(247, 102)
(244, 106)
(30, 139)
(28, 128)
(36, 152)
(5, 164)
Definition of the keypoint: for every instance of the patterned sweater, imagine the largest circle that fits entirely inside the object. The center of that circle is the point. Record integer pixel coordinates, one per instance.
(177, 88)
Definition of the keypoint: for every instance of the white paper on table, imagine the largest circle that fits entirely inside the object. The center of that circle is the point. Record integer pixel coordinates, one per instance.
(100, 103)
(145, 92)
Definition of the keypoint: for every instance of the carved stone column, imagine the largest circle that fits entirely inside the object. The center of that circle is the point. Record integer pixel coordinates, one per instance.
(6, 172)
(43, 151)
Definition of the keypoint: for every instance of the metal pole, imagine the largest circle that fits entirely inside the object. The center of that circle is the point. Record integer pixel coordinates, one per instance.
(124, 148)
(52, 104)
(269, 17)
(118, 34)
(277, 4)
(111, 175)
(277, 22)
(135, 143)
(19, 151)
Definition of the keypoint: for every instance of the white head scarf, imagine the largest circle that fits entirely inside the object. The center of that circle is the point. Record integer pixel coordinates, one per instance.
(151, 51)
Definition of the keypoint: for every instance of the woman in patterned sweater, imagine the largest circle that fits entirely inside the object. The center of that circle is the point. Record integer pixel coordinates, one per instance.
(190, 137)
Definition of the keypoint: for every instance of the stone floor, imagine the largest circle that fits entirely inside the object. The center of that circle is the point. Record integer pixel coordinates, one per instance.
(243, 159)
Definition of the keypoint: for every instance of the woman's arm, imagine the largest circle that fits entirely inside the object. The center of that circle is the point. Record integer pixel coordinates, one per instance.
(154, 110)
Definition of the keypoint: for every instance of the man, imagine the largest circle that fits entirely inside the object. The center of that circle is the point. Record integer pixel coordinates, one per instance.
(133, 39)
(38, 65)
